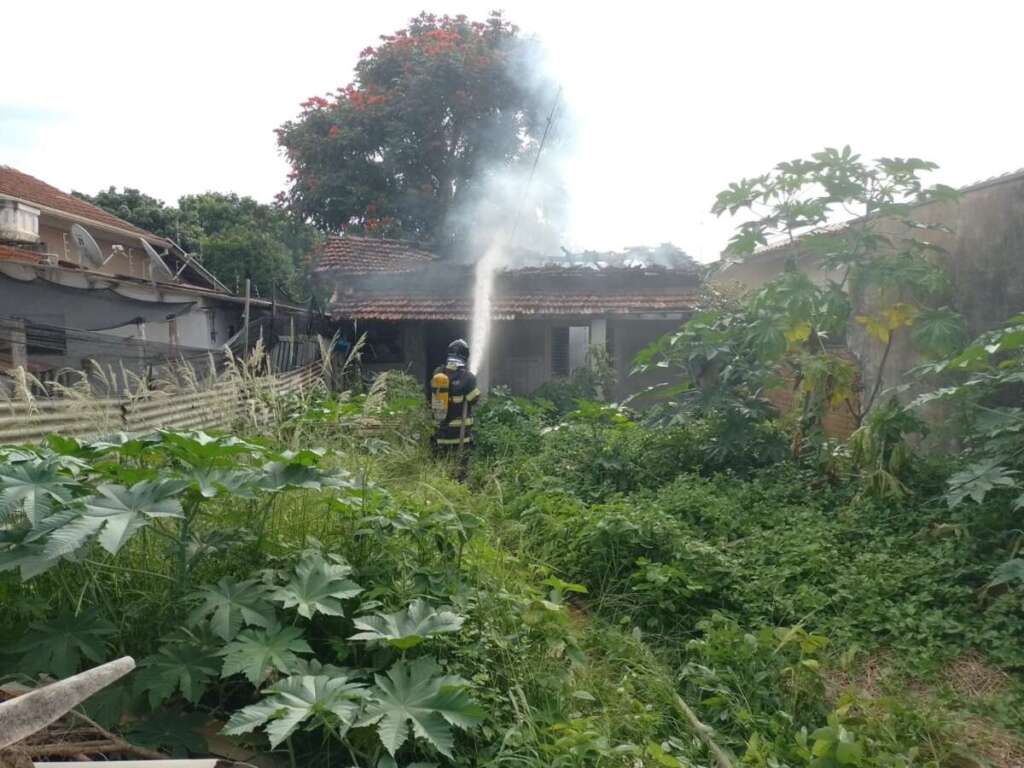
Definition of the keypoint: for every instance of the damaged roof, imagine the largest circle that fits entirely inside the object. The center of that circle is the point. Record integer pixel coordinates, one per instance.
(368, 255)
(507, 307)
(396, 280)
(359, 255)
(29, 189)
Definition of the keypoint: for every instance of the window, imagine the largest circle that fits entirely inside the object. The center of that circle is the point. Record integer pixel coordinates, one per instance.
(560, 352)
(570, 346)
(45, 340)
(384, 343)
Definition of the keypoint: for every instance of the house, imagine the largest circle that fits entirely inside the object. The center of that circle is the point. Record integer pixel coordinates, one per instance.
(79, 285)
(545, 313)
(982, 249)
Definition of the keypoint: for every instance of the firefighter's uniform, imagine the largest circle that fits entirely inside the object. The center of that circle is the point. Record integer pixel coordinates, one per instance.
(453, 393)
(455, 427)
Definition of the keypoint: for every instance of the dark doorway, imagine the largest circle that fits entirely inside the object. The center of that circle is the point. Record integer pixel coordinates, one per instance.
(437, 335)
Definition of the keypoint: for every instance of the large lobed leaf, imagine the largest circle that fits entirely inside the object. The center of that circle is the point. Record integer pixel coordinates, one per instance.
(124, 511)
(59, 645)
(230, 604)
(32, 487)
(414, 696)
(975, 481)
(408, 627)
(256, 653)
(188, 666)
(334, 702)
(317, 586)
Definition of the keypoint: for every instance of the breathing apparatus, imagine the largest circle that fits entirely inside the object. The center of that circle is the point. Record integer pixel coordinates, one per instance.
(440, 383)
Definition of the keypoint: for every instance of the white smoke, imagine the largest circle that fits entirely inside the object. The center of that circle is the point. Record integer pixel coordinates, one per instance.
(483, 294)
(515, 211)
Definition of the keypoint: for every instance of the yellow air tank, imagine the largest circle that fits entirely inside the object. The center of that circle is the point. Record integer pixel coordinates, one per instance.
(439, 385)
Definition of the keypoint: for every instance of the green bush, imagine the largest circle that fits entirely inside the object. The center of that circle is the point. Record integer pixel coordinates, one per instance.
(635, 559)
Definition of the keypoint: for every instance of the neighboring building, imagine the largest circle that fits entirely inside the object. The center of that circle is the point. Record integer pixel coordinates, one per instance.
(545, 317)
(983, 255)
(118, 294)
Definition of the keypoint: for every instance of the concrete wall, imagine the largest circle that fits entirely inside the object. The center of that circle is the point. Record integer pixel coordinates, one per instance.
(520, 356)
(629, 336)
(984, 259)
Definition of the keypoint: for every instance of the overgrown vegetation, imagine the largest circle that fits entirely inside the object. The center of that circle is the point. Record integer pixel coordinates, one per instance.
(597, 577)
(705, 581)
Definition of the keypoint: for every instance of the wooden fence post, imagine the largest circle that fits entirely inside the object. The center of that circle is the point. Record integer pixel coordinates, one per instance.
(13, 329)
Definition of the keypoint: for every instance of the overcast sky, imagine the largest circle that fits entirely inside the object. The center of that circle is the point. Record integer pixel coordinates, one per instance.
(674, 99)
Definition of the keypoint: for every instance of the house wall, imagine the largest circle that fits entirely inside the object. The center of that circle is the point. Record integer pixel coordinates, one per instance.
(520, 354)
(192, 330)
(133, 262)
(629, 336)
(520, 350)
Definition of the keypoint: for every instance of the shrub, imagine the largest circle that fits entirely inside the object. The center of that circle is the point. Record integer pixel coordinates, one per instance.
(635, 559)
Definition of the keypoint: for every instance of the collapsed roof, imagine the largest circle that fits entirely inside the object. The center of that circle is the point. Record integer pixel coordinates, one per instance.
(378, 279)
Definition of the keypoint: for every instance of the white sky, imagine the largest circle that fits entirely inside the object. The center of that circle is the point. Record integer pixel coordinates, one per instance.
(675, 99)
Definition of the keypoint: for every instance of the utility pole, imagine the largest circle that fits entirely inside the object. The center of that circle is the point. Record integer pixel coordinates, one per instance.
(245, 317)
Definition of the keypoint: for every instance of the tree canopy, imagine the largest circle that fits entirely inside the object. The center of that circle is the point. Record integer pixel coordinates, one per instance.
(236, 236)
(434, 111)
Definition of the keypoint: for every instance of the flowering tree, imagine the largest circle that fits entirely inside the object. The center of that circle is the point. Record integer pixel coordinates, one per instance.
(433, 109)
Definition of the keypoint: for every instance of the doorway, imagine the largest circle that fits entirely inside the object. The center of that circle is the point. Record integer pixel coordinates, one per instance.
(437, 335)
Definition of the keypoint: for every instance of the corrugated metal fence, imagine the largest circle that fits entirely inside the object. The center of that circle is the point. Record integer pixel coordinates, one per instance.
(225, 402)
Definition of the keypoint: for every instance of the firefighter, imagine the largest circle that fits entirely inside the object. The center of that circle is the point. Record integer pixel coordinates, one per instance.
(453, 393)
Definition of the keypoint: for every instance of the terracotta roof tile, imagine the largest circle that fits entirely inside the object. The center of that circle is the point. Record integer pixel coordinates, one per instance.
(14, 183)
(365, 255)
(506, 307)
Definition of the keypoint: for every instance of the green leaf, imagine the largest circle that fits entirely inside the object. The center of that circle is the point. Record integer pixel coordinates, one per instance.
(1011, 570)
(125, 511)
(107, 707)
(938, 332)
(58, 646)
(231, 604)
(317, 586)
(181, 733)
(657, 753)
(187, 666)
(67, 532)
(279, 475)
(408, 627)
(849, 752)
(198, 449)
(977, 480)
(330, 702)
(213, 481)
(413, 695)
(31, 487)
(256, 653)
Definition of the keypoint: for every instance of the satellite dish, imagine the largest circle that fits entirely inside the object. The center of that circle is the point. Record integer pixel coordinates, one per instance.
(85, 247)
(155, 259)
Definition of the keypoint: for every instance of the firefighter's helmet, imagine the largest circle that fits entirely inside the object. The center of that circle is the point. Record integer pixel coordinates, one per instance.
(460, 349)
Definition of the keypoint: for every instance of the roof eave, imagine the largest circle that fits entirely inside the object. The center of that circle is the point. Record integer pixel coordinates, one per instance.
(51, 211)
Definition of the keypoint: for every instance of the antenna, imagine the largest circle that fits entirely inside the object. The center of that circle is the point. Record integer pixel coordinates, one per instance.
(85, 247)
(154, 257)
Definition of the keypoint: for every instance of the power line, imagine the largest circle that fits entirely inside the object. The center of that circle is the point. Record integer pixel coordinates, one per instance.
(533, 168)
